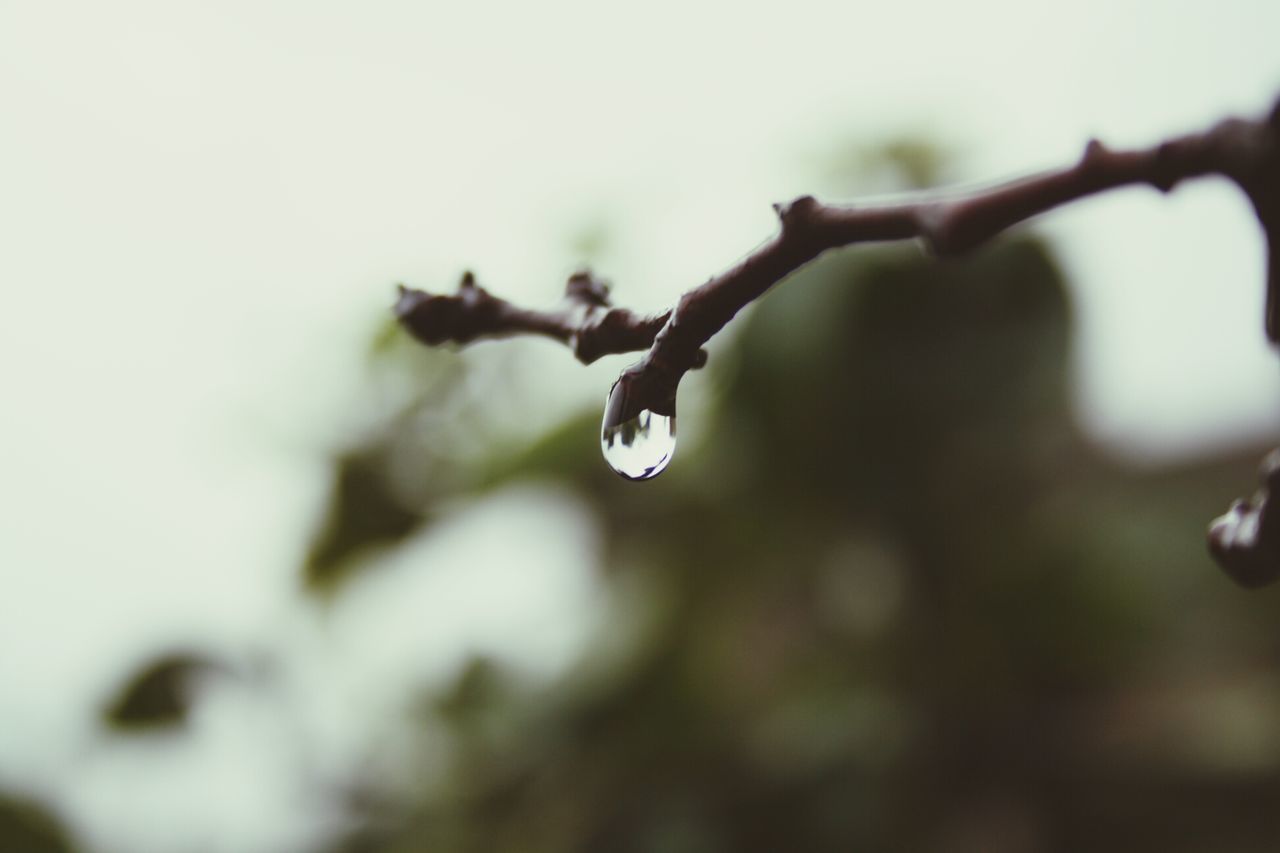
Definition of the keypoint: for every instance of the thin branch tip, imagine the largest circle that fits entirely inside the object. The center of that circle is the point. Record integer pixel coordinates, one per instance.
(1243, 150)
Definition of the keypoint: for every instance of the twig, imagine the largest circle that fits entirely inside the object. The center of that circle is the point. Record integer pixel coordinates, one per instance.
(1245, 151)
(585, 321)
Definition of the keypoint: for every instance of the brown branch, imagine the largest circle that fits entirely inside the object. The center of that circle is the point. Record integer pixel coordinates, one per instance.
(1248, 152)
(1245, 151)
(585, 321)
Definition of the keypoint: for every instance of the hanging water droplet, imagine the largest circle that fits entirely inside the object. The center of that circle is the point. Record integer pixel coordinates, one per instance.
(637, 447)
(640, 448)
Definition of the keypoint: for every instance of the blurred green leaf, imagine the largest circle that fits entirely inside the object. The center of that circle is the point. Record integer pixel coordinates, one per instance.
(893, 600)
(160, 694)
(364, 513)
(27, 828)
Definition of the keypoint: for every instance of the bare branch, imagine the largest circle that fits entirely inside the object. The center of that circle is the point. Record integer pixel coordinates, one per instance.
(1247, 152)
(1245, 541)
(585, 321)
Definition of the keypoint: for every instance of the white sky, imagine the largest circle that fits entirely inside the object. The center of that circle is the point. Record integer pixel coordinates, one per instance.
(203, 206)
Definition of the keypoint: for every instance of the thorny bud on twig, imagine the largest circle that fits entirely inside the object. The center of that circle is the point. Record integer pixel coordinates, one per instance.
(1246, 540)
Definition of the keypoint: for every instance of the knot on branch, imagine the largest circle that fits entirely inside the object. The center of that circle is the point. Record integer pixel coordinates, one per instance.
(584, 287)
(619, 330)
(1094, 156)
(615, 330)
(598, 328)
(437, 318)
(936, 225)
(797, 214)
(1246, 540)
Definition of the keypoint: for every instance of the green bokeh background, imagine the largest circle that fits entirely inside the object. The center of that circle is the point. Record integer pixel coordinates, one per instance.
(888, 598)
(891, 600)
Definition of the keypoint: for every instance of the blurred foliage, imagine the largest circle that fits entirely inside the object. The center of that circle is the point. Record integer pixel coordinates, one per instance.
(592, 239)
(363, 513)
(896, 602)
(161, 694)
(25, 828)
(892, 601)
(385, 483)
(896, 163)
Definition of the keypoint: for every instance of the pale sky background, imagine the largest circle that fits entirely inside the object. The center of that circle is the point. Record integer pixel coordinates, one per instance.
(203, 208)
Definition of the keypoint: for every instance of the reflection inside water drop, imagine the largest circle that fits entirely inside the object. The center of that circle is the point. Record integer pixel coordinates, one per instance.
(640, 448)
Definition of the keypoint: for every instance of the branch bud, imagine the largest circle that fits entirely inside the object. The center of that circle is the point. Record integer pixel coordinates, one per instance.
(1246, 540)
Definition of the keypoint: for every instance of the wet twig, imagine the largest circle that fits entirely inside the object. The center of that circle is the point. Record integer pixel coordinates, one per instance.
(1245, 151)
(585, 320)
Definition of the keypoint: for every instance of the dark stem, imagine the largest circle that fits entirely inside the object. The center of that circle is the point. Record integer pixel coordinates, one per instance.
(585, 321)
(1245, 151)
